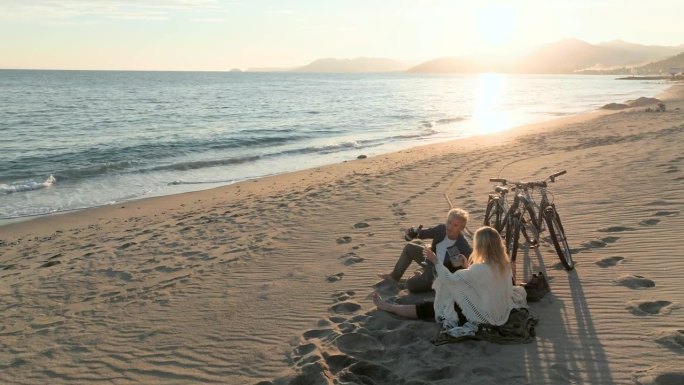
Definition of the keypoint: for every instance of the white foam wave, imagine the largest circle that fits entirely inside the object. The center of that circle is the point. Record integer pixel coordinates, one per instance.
(9, 189)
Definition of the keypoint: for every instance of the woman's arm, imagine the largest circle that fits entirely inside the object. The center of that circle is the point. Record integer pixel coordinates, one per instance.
(458, 275)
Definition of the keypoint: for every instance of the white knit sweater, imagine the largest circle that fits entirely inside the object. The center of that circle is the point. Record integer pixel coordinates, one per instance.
(484, 295)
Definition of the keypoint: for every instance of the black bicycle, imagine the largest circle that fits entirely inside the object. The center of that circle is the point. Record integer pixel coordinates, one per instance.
(526, 217)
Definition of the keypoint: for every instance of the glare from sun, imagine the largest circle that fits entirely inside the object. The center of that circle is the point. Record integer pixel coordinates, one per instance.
(488, 116)
(496, 23)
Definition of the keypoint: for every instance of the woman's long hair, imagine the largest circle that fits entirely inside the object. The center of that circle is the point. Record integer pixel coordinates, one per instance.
(488, 247)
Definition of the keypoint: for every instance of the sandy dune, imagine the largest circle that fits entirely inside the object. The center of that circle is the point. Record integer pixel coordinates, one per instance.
(269, 281)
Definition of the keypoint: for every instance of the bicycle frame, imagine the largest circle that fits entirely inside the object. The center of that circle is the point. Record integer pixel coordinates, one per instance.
(525, 216)
(499, 206)
(522, 202)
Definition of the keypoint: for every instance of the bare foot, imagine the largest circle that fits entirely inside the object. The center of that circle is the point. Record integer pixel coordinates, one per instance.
(379, 302)
(385, 276)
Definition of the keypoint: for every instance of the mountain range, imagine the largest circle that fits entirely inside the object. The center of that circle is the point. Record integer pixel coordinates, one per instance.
(562, 57)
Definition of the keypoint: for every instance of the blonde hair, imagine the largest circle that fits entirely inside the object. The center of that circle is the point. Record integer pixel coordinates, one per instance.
(488, 247)
(456, 213)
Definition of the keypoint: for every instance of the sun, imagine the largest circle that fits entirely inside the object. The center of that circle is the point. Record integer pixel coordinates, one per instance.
(496, 24)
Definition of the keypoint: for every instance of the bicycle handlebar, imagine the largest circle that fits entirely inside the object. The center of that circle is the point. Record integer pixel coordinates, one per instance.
(551, 178)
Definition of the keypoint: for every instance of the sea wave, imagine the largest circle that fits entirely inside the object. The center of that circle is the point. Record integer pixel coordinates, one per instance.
(28, 186)
(181, 182)
(439, 122)
(90, 162)
(356, 144)
(194, 165)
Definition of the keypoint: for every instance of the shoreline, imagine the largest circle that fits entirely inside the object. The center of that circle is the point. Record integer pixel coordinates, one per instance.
(103, 183)
(269, 281)
(486, 139)
(507, 134)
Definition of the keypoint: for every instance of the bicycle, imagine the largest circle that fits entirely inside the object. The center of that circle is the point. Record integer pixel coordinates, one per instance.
(522, 217)
(496, 207)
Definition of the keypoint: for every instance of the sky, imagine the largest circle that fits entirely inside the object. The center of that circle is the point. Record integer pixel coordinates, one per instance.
(219, 35)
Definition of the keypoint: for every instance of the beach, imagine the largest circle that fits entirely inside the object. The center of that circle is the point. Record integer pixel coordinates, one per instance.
(269, 281)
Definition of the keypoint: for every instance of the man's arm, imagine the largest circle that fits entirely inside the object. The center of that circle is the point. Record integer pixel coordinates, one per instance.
(429, 233)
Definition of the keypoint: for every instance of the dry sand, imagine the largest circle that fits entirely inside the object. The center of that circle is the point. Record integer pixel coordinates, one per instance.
(270, 280)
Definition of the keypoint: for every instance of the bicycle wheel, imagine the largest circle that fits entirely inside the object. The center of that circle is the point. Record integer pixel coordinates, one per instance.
(560, 242)
(529, 227)
(512, 237)
(493, 214)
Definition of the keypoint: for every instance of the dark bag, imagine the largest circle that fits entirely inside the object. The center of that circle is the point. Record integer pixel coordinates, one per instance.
(536, 287)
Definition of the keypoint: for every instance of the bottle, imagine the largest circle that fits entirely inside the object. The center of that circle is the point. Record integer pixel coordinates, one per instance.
(412, 233)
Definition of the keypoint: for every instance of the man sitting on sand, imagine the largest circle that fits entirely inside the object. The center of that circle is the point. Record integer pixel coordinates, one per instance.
(447, 244)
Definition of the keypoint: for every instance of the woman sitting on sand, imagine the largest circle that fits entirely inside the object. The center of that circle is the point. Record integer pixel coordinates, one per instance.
(480, 293)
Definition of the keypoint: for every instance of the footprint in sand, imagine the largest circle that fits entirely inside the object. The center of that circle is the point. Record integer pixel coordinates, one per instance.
(610, 239)
(364, 372)
(609, 261)
(334, 277)
(357, 342)
(351, 258)
(303, 350)
(671, 339)
(318, 333)
(635, 282)
(643, 308)
(649, 222)
(666, 213)
(599, 243)
(361, 225)
(122, 275)
(342, 240)
(432, 375)
(562, 373)
(616, 229)
(337, 362)
(672, 378)
(663, 378)
(346, 307)
(341, 296)
(50, 263)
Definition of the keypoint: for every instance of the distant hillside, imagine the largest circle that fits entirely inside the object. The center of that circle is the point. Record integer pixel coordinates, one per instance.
(566, 56)
(641, 54)
(562, 57)
(572, 55)
(446, 65)
(361, 64)
(658, 68)
(268, 69)
(662, 66)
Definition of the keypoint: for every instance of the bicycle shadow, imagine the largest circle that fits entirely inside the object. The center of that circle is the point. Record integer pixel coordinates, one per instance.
(563, 354)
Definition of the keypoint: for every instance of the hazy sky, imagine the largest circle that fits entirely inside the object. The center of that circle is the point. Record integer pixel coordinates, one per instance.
(225, 34)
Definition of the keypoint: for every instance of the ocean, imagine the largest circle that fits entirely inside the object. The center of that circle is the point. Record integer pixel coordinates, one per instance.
(77, 139)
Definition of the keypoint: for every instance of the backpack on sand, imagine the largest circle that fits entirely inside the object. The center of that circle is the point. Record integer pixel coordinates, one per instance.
(536, 287)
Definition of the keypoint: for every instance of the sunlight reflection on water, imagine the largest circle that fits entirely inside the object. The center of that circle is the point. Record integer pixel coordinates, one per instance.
(488, 114)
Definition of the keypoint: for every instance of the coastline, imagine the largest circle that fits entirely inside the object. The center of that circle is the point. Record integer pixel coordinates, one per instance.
(265, 280)
(306, 131)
